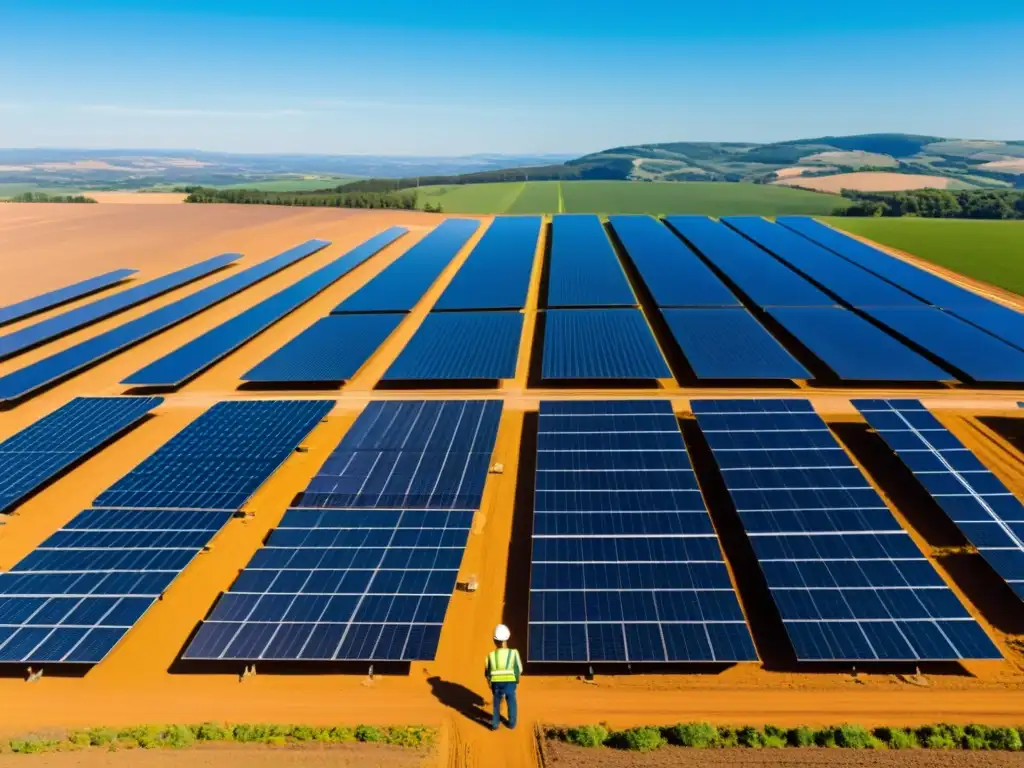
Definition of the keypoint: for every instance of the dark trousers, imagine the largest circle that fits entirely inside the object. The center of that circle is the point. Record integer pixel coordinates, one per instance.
(505, 691)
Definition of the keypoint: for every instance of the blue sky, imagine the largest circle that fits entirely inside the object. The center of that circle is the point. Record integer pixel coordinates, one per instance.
(415, 77)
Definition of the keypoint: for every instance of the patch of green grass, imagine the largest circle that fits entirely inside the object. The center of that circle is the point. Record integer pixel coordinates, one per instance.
(992, 251)
(10, 189)
(472, 198)
(297, 184)
(536, 197)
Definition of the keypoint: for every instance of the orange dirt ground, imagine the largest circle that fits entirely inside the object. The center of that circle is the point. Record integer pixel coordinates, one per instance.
(49, 245)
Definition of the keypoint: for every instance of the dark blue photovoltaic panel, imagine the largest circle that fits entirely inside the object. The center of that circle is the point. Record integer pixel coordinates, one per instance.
(199, 354)
(984, 509)
(41, 451)
(730, 344)
(55, 298)
(400, 286)
(74, 597)
(674, 275)
(38, 375)
(341, 585)
(497, 273)
(855, 286)
(461, 345)
(854, 348)
(600, 344)
(79, 317)
(220, 459)
(979, 355)
(430, 454)
(995, 318)
(767, 282)
(330, 350)
(584, 270)
(626, 565)
(849, 582)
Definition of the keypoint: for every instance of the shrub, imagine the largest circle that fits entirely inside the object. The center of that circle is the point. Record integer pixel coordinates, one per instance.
(825, 737)
(896, 738)
(587, 735)
(369, 733)
(855, 737)
(178, 737)
(774, 741)
(341, 735)
(302, 733)
(727, 736)
(933, 737)
(99, 737)
(79, 738)
(698, 735)
(1007, 739)
(410, 736)
(211, 732)
(643, 739)
(249, 732)
(801, 736)
(748, 736)
(31, 746)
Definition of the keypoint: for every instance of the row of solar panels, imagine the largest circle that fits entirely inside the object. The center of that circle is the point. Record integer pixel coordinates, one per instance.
(626, 563)
(863, 314)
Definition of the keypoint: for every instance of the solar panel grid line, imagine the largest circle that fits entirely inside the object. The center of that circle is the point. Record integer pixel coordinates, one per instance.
(583, 269)
(401, 285)
(902, 610)
(35, 376)
(59, 296)
(600, 344)
(192, 358)
(79, 317)
(507, 247)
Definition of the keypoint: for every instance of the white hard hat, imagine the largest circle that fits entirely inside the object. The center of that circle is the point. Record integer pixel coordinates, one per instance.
(501, 633)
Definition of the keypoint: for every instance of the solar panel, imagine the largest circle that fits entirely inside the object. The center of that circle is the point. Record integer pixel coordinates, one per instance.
(977, 354)
(497, 273)
(461, 345)
(365, 568)
(79, 317)
(730, 344)
(42, 373)
(855, 286)
(849, 582)
(199, 354)
(74, 597)
(674, 275)
(767, 282)
(584, 270)
(854, 348)
(220, 459)
(330, 350)
(983, 508)
(626, 566)
(400, 286)
(431, 454)
(51, 299)
(40, 452)
(600, 344)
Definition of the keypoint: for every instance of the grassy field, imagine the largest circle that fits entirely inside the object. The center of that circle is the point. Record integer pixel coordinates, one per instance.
(291, 185)
(10, 189)
(712, 198)
(992, 251)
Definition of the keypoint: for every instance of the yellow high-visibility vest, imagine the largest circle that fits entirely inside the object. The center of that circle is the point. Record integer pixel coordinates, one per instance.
(501, 665)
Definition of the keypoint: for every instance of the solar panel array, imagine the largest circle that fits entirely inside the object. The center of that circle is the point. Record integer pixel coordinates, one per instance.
(584, 270)
(854, 348)
(365, 569)
(673, 274)
(37, 454)
(626, 565)
(333, 349)
(729, 343)
(75, 596)
(40, 374)
(850, 283)
(79, 317)
(402, 284)
(507, 249)
(600, 344)
(51, 299)
(767, 282)
(983, 508)
(199, 354)
(461, 346)
(849, 582)
(220, 459)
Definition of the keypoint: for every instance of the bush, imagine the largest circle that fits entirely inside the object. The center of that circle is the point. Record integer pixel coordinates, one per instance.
(178, 737)
(250, 732)
(934, 737)
(99, 737)
(369, 733)
(211, 732)
(643, 739)
(748, 736)
(587, 735)
(825, 737)
(855, 737)
(302, 733)
(801, 736)
(697, 735)
(341, 735)
(896, 738)
(410, 736)
(1008, 739)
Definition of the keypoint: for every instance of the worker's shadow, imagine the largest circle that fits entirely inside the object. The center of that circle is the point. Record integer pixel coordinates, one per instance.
(461, 699)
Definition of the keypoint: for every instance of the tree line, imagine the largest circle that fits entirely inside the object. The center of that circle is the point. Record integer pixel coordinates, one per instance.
(315, 199)
(937, 204)
(42, 197)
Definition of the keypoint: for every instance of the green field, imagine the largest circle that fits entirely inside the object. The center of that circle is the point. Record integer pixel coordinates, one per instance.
(10, 189)
(992, 251)
(606, 197)
(291, 185)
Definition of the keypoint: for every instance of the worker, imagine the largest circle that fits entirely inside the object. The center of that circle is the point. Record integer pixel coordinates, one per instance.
(503, 670)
